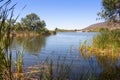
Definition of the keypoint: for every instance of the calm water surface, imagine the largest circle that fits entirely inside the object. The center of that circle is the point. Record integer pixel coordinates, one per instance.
(65, 44)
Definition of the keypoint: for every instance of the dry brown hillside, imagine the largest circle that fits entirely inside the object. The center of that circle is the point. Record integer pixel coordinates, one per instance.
(97, 26)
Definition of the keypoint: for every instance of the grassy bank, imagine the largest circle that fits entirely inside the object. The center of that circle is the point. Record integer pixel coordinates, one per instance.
(106, 41)
(105, 48)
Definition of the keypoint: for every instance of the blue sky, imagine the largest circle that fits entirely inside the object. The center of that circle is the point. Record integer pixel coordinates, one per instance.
(65, 14)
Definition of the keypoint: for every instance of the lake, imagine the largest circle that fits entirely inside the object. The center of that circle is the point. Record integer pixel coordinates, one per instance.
(64, 47)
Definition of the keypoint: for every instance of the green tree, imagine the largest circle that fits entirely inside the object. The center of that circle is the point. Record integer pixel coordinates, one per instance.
(18, 27)
(56, 29)
(33, 22)
(110, 10)
(11, 23)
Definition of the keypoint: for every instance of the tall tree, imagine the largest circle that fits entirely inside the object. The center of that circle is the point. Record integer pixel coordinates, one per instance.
(110, 10)
(33, 22)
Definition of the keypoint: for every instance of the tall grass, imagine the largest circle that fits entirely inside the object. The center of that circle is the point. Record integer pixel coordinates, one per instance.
(19, 61)
(6, 13)
(6, 73)
(47, 70)
(107, 39)
(18, 73)
(55, 71)
(5, 59)
(105, 48)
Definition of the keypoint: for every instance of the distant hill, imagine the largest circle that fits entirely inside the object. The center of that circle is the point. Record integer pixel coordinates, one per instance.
(96, 27)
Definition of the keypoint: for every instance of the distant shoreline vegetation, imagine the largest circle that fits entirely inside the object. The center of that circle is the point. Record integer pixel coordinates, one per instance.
(31, 33)
(66, 30)
(31, 25)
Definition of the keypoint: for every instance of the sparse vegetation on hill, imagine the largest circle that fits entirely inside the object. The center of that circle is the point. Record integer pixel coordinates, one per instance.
(98, 26)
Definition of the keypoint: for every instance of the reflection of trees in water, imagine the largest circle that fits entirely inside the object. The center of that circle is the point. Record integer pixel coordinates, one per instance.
(31, 45)
(107, 62)
(103, 60)
(112, 73)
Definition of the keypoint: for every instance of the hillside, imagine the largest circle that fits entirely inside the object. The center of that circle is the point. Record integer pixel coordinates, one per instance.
(97, 26)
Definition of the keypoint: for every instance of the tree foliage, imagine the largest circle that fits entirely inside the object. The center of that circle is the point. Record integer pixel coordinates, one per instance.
(33, 22)
(110, 10)
(8, 23)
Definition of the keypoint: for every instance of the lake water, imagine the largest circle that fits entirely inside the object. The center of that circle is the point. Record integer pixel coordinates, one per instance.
(64, 45)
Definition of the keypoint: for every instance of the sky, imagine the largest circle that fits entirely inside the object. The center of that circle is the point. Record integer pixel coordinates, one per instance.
(63, 14)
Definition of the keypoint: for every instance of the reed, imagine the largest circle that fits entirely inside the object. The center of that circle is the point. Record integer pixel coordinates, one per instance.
(6, 13)
(19, 74)
(106, 41)
(55, 71)
(5, 58)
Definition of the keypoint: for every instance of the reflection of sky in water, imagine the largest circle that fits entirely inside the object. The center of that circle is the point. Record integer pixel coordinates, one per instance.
(63, 41)
(37, 49)
(61, 44)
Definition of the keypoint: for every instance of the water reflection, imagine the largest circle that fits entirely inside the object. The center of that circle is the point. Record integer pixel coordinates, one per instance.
(31, 45)
(108, 64)
(112, 73)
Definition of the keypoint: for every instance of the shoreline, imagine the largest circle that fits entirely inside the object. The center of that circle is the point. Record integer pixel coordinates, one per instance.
(31, 33)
